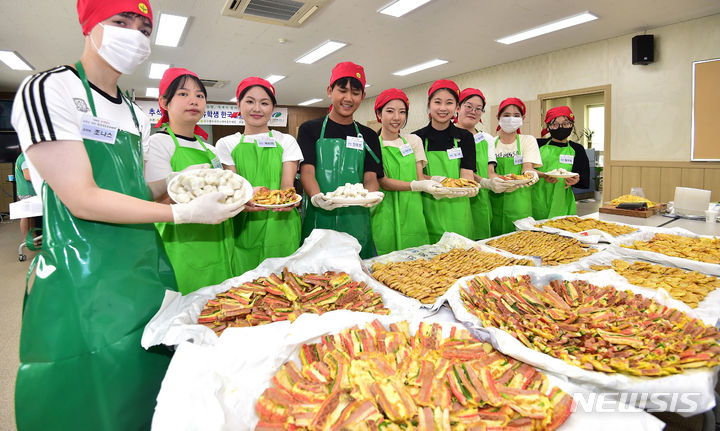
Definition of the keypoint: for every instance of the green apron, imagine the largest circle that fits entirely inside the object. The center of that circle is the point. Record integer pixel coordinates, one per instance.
(552, 200)
(445, 215)
(23, 187)
(336, 165)
(480, 204)
(264, 234)
(97, 285)
(508, 207)
(201, 254)
(398, 221)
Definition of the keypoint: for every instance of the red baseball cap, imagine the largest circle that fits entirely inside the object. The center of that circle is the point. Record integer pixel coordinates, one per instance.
(469, 92)
(252, 82)
(91, 12)
(388, 95)
(558, 111)
(348, 69)
(170, 75)
(446, 84)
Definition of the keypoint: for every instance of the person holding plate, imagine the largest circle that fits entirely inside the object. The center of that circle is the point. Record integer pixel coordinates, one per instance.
(337, 151)
(201, 255)
(398, 222)
(472, 106)
(516, 154)
(554, 197)
(266, 158)
(102, 272)
(450, 152)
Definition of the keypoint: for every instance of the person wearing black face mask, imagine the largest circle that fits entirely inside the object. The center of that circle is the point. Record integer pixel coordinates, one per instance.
(554, 197)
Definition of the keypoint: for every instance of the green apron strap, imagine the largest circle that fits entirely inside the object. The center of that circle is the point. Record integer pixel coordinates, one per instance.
(214, 160)
(27, 280)
(86, 84)
(365, 143)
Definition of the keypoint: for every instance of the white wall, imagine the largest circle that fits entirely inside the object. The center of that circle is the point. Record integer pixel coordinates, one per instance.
(651, 105)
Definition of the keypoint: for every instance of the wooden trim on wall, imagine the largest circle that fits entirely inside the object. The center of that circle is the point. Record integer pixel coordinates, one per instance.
(700, 165)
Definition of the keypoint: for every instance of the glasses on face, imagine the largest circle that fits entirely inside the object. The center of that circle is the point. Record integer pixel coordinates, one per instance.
(470, 108)
(564, 125)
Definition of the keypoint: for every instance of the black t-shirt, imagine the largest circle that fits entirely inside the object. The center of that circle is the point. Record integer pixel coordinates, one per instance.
(442, 140)
(309, 133)
(581, 164)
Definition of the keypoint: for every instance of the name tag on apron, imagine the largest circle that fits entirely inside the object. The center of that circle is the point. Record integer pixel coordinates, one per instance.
(215, 162)
(98, 129)
(455, 153)
(354, 142)
(478, 137)
(266, 142)
(406, 150)
(518, 159)
(567, 158)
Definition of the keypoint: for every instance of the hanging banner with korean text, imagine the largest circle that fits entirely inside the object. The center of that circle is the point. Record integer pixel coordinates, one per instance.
(216, 114)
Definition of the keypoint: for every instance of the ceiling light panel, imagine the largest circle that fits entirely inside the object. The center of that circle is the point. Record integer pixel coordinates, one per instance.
(309, 102)
(418, 67)
(321, 51)
(272, 79)
(157, 70)
(399, 8)
(548, 28)
(170, 29)
(13, 60)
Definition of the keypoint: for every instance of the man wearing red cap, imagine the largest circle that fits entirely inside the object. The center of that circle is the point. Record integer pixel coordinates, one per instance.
(337, 150)
(102, 272)
(554, 197)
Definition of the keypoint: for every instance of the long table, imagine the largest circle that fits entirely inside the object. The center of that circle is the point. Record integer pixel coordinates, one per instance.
(699, 227)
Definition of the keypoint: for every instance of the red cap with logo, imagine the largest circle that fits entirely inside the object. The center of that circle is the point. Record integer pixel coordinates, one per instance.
(446, 84)
(251, 82)
(91, 12)
(511, 101)
(559, 111)
(348, 69)
(388, 95)
(170, 75)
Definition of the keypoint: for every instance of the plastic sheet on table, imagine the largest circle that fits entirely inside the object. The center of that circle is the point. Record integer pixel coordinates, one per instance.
(696, 386)
(595, 246)
(324, 250)
(449, 241)
(591, 236)
(708, 309)
(216, 387)
(647, 234)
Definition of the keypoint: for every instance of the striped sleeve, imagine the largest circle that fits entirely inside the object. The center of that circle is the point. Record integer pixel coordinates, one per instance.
(43, 111)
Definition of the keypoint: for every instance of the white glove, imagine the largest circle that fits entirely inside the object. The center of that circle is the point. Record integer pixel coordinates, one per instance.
(534, 180)
(380, 197)
(497, 185)
(427, 186)
(189, 168)
(206, 209)
(438, 178)
(321, 201)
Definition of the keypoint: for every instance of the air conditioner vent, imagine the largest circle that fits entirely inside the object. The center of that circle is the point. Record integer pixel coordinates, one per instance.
(213, 83)
(273, 9)
(291, 13)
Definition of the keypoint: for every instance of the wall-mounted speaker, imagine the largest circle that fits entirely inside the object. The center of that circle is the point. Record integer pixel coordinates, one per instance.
(643, 49)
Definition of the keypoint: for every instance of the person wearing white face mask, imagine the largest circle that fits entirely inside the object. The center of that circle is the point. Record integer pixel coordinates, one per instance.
(515, 154)
(102, 272)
